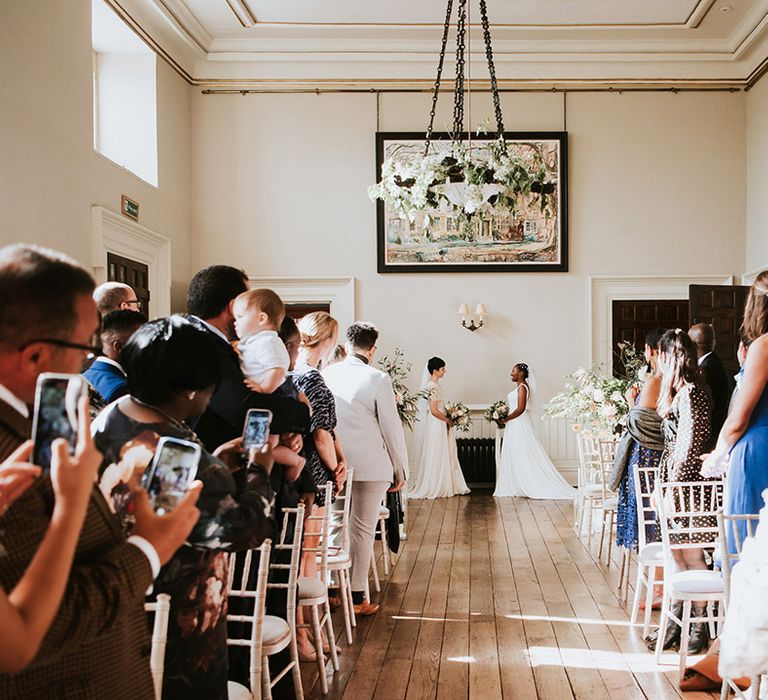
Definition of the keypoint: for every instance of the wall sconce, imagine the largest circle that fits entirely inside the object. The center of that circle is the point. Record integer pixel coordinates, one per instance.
(481, 312)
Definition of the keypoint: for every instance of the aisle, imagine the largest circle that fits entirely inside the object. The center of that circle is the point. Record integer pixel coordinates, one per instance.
(492, 599)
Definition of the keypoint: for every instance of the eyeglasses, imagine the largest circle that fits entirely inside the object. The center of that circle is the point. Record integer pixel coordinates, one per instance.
(132, 301)
(92, 350)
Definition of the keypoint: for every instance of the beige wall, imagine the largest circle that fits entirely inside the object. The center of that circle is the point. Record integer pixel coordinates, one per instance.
(49, 173)
(757, 176)
(657, 185)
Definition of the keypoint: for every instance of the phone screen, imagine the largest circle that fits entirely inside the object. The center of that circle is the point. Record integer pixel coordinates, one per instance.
(173, 469)
(55, 416)
(256, 428)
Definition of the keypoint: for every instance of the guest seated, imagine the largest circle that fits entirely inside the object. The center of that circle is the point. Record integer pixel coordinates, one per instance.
(106, 374)
(172, 372)
(264, 359)
(115, 296)
(94, 647)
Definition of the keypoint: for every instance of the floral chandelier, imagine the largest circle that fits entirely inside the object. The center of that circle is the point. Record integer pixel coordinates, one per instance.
(464, 180)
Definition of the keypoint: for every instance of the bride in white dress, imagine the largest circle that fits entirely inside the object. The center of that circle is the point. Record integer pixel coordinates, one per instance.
(525, 468)
(439, 474)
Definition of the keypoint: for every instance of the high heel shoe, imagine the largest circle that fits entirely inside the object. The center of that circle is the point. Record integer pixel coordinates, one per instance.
(672, 636)
(698, 641)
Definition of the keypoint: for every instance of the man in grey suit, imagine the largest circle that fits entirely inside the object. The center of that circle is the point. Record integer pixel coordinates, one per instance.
(369, 428)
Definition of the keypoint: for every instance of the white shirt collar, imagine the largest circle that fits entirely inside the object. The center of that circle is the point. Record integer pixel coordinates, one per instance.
(14, 401)
(213, 329)
(704, 357)
(110, 361)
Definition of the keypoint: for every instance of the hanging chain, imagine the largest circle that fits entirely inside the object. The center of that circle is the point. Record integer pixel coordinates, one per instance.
(565, 110)
(440, 63)
(492, 72)
(458, 97)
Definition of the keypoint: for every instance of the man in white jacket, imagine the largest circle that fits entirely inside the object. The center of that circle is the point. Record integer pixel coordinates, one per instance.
(370, 431)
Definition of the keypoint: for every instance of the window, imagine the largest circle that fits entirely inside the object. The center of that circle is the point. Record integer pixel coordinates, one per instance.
(124, 95)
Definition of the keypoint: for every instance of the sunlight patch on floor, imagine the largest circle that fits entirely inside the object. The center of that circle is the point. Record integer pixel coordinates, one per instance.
(575, 620)
(600, 660)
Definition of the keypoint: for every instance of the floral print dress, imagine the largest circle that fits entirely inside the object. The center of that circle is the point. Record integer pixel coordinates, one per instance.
(236, 514)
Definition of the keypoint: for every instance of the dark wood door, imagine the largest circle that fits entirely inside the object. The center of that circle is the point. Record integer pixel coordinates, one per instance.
(132, 273)
(299, 310)
(723, 307)
(633, 319)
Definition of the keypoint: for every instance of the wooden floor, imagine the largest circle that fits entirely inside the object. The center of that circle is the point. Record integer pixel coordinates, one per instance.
(497, 598)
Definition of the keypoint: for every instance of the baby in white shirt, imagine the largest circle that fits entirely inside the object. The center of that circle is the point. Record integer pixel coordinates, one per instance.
(263, 357)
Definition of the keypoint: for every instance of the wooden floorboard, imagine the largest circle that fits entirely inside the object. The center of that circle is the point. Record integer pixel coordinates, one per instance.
(497, 598)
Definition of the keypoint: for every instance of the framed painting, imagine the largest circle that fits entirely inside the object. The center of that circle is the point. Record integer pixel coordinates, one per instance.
(530, 236)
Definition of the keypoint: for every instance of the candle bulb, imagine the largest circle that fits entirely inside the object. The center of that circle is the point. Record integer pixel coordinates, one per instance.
(481, 310)
(464, 310)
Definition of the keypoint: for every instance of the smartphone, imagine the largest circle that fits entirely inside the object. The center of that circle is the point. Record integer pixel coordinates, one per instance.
(256, 430)
(56, 413)
(173, 469)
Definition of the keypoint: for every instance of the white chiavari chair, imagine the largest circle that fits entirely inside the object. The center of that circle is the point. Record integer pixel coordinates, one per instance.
(339, 560)
(734, 529)
(161, 607)
(589, 462)
(692, 505)
(386, 555)
(650, 555)
(313, 592)
(251, 621)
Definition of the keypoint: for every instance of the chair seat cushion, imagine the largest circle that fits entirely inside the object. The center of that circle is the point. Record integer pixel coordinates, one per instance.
(383, 512)
(652, 553)
(611, 503)
(592, 491)
(235, 691)
(696, 581)
(311, 587)
(274, 630)
(340, 559)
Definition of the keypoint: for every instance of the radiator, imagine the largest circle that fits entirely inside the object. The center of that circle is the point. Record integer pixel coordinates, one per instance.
(477, 457)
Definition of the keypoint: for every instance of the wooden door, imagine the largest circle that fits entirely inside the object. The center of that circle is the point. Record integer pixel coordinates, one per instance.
(723, 307)
(633, 319)
(299, 310)
(132, 273)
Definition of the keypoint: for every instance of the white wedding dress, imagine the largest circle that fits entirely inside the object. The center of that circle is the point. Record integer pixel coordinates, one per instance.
(438, 472)
(525, 468)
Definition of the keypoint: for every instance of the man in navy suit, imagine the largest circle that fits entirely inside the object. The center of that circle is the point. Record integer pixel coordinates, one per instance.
(106, 375)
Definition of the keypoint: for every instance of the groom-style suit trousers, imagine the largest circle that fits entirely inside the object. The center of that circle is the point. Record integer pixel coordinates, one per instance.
(363, 518)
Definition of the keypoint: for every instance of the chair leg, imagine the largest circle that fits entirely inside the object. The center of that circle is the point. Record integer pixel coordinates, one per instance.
(610, 538)
(636, 599)
(345, 605)
(329, 633)
(589, 523)
(622, 569)
(725, 691)
(352, 618)
(713, 630)
(384, 548)
(650, 582)
(375, 572)
(663, 622)
(684, 634)
(602, 539)
(318, 634)
(266, 680)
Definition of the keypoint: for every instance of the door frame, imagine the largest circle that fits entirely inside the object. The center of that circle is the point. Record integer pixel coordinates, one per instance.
(113, 233)
(604, 289)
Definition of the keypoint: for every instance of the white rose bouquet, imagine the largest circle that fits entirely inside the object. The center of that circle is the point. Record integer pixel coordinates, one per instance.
(398, 369)
(497, 411)
(459, 414)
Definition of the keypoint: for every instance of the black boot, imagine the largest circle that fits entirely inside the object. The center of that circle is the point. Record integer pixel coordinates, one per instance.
(698, 640)
(672, 637)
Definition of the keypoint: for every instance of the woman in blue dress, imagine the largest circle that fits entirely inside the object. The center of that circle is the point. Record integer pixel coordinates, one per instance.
(745, 434)
(641, 446)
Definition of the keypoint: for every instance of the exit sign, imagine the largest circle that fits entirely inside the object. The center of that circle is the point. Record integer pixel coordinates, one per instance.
(129, 208)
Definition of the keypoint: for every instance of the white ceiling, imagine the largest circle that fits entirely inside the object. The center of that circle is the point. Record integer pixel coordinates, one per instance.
(379, 42)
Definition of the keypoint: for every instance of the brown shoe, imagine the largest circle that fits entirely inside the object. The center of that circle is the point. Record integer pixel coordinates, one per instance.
(334, 602)
(365, 608)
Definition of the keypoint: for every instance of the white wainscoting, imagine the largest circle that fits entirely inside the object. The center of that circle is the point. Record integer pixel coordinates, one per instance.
(555, 435)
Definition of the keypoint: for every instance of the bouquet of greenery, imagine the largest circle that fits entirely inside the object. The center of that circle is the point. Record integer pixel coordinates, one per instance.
(496, 411)
(594, 398)
(398, 369)
(459, 414)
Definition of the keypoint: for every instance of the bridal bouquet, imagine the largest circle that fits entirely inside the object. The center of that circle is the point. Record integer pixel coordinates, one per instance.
(595, 398)
(398, 369)
(496, 411)
(459, 414)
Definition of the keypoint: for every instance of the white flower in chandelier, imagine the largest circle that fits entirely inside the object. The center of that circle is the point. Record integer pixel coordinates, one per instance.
(616, 397)
(598, 395)
(608, 410)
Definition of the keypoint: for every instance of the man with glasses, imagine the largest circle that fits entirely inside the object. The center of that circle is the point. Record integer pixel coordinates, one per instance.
(98, 644)
(115, 296)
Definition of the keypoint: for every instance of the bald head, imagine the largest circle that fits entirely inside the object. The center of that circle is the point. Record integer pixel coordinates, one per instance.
(115, 296)
(703, 337)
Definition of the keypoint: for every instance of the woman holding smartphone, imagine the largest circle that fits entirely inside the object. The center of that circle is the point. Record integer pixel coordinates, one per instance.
(172, 371)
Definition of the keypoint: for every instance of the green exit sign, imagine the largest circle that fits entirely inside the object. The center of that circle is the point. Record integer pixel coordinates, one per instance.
(129, 208)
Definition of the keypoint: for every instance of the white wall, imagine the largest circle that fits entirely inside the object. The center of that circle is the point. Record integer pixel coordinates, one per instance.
(757, 176)
(50, 174)
(657, 184)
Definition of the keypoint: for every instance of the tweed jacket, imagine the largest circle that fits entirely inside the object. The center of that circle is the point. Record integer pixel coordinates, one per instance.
(98, 645)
